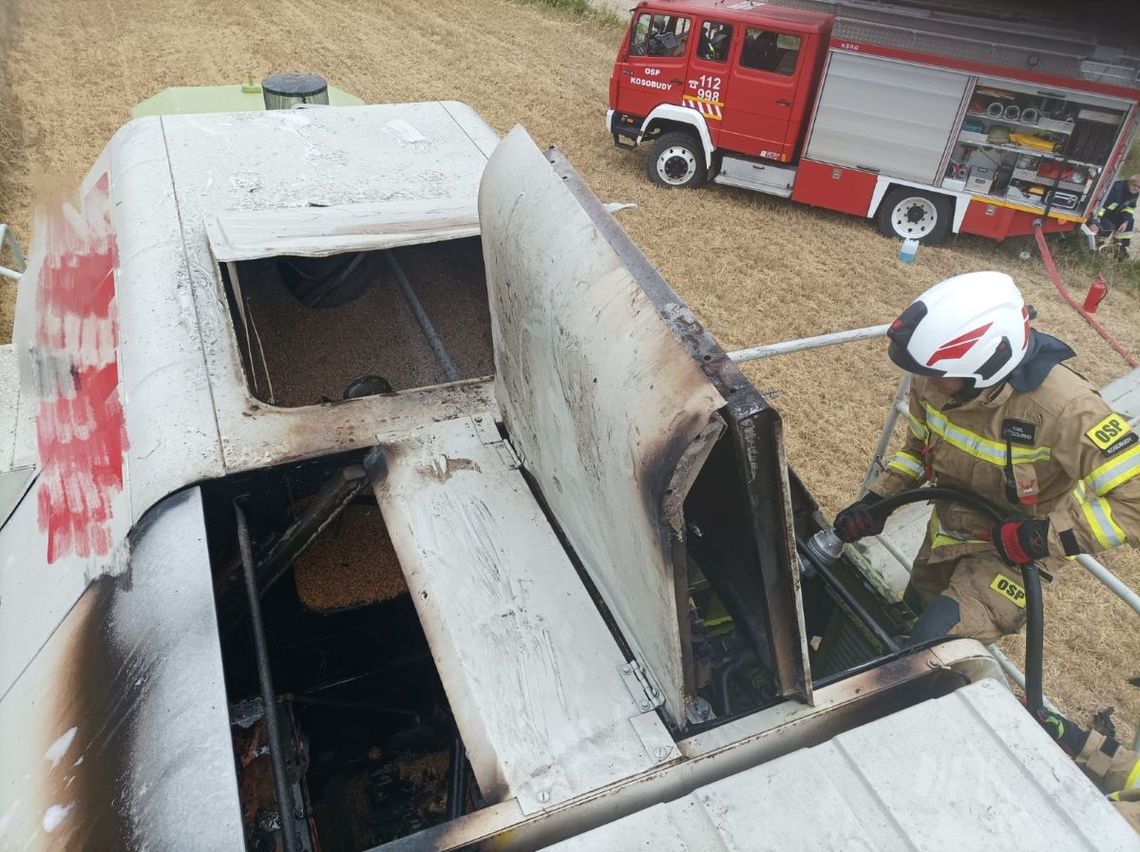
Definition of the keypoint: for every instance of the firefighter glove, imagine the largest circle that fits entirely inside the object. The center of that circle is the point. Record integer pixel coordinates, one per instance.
(856, 521)
(1020, 541)
(1068, 734)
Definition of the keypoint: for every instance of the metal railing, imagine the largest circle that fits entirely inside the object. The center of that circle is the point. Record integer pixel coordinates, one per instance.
(899, 409)
(7, 238)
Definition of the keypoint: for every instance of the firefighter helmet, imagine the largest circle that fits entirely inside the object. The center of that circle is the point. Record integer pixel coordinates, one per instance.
(973, 326)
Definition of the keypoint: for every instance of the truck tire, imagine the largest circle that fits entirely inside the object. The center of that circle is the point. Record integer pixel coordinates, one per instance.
(676, 159)
(906, 212)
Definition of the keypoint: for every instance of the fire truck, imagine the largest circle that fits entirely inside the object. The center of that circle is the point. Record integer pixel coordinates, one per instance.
(928, 122)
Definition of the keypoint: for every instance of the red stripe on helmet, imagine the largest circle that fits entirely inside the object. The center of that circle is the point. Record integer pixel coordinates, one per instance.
(959, 346)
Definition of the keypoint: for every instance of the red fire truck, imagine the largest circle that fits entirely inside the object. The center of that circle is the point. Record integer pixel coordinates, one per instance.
(929, 122)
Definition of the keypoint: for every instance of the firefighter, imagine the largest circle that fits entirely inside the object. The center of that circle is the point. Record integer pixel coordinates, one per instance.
(1117, 214)
(1114, 769)
(993, 410)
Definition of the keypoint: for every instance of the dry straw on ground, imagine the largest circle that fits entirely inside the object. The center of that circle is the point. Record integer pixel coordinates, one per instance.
(755, 269)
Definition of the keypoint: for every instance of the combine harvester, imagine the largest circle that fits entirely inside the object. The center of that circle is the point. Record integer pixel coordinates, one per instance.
(363, 484)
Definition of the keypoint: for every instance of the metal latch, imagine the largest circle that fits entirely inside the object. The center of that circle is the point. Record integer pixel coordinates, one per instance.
(645, 693)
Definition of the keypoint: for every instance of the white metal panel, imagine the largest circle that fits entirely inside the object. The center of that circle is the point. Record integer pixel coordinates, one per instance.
(970, 770)
(320, 231)
(887, 116)
(172, 434)
(116, 736)
(1123, 394)
(531, 671)
(382, 154)
(9, 400)
(599, 397)
(35, 596)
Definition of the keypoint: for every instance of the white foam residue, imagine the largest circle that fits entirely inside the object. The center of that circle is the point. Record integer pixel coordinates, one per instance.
(403, 131)
(59, 748)
(55, 815)
(6, 819)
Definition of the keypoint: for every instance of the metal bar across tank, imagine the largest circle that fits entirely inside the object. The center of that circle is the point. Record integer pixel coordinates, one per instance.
(429, 332)
(268, 696)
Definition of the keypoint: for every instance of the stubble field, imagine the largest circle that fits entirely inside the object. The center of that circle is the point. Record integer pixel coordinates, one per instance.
(755, 269)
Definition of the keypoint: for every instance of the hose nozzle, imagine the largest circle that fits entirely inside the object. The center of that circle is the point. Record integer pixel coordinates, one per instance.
(824, 547)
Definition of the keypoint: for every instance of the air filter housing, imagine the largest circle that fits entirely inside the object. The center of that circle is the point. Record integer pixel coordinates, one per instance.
(285, 91)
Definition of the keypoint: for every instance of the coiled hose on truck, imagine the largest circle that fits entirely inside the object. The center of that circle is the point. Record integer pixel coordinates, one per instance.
(1030, 574)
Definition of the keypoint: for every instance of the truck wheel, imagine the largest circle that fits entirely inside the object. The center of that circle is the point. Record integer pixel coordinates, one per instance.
(916, 214)
(676, 159)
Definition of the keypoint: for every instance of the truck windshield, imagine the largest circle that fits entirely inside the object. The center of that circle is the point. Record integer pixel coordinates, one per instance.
(659, 35)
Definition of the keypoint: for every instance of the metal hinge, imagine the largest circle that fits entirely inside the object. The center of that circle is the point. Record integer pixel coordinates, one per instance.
(646, 695)
(507, 455)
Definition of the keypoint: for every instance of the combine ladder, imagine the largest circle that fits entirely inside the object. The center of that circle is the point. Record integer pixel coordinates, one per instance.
(888, 554)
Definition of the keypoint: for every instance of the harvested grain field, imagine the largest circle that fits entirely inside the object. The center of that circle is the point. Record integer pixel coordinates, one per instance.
(755, 269)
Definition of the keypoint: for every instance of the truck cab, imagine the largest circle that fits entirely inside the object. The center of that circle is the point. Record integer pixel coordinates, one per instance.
(748, 70)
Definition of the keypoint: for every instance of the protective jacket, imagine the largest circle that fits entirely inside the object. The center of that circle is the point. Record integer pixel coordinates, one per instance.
(1045, 446)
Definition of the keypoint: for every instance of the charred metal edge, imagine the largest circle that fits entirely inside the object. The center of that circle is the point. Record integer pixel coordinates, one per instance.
(753, 427)
(861, 698)
(693, 336)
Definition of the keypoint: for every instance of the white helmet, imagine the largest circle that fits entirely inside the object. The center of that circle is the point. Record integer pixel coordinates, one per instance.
(972, 326)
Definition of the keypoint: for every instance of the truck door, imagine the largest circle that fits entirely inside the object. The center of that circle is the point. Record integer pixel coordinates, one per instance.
(766, 74)
(653, 71)
(706, 84)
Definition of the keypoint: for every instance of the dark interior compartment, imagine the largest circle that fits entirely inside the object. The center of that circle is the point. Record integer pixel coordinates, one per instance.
(370, 744)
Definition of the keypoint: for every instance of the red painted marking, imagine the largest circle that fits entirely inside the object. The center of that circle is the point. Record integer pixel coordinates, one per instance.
(80, 430)
(959, 346)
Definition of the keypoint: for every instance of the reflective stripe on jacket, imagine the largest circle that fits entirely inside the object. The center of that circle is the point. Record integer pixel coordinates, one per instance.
(1084, 459)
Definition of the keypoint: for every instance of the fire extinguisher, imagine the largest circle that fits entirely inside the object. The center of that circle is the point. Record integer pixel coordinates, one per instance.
(1097, 291)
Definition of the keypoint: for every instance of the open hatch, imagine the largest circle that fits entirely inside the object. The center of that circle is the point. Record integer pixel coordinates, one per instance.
(318, 328)
(534, 601)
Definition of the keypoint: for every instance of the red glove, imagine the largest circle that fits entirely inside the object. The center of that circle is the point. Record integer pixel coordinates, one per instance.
(1020, 541)
(856, 521)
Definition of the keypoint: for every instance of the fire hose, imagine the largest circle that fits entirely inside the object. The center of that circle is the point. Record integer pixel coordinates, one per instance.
(1047, 257)
(825, 547)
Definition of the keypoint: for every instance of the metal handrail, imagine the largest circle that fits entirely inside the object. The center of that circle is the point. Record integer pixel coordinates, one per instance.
(803, 343)
(7, 238)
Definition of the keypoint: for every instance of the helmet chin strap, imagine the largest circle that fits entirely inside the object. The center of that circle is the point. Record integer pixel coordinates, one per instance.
(970, 392)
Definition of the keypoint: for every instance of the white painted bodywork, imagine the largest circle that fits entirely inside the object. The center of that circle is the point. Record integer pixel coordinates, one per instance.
(970, 770)
(9, 402)
(961, 199)
(188, 414)
(1123, 394)
(532, 673)
(684, 115)
(322, 231)
(598, 396)
(122, 714)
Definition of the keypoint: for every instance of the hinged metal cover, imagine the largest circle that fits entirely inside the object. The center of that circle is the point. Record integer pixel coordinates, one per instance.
(618, 402)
